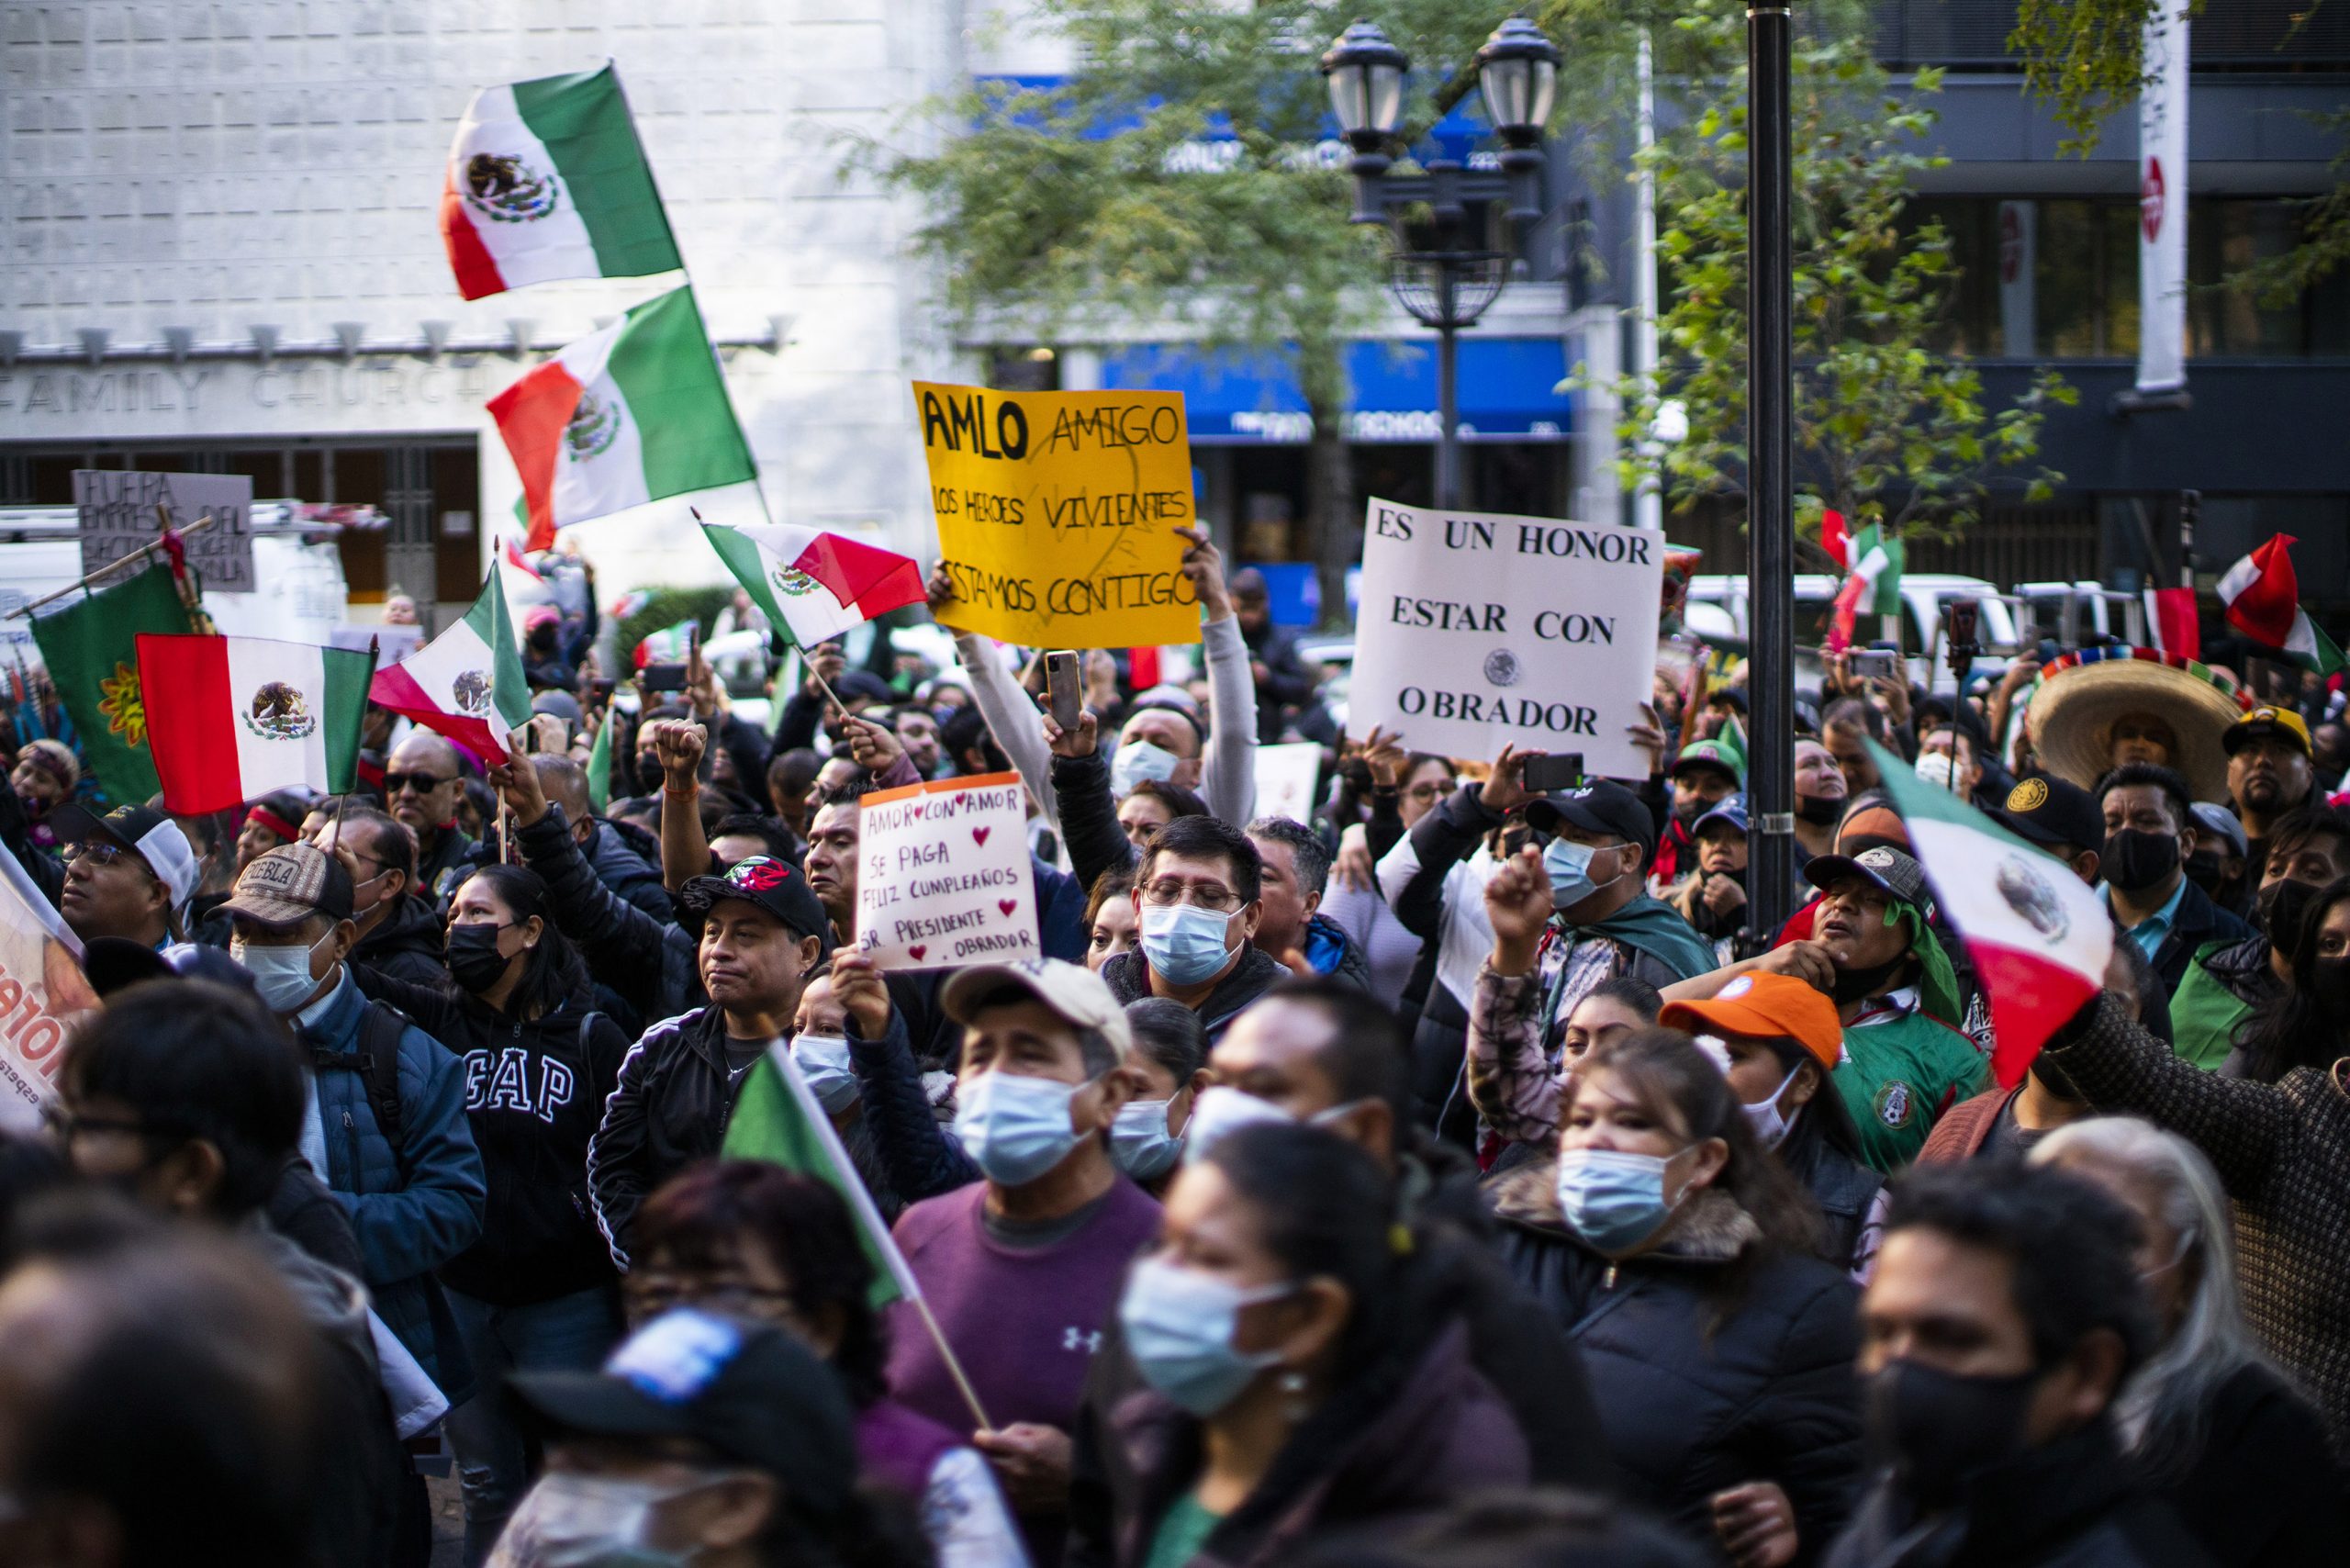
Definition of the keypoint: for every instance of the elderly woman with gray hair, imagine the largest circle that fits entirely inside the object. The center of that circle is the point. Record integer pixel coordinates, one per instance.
(2217, 1430)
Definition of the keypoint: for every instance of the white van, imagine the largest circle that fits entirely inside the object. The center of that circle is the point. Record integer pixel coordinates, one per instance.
(1717, 608)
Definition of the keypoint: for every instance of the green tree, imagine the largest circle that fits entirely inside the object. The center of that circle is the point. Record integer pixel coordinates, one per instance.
(1887, 425)
(1044, 227)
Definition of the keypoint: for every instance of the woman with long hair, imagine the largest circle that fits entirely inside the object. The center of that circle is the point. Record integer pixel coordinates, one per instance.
(537, 1292)
(1304, 1368)
(1682, 1258)
(743, 1239)
(2229, 1443)
(2309, 1025)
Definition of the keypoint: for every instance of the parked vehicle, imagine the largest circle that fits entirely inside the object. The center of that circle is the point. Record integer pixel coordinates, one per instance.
(1717, 607)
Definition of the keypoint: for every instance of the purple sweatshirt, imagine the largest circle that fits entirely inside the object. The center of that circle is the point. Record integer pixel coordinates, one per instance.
(1024, 1323)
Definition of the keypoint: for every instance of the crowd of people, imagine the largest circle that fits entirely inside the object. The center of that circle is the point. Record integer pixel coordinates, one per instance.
(1459, 1176)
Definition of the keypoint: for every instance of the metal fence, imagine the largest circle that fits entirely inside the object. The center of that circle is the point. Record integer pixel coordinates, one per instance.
(2239, 35)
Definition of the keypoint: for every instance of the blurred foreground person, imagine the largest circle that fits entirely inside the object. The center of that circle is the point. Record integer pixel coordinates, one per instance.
(1548, 1527)
(2234, 1448)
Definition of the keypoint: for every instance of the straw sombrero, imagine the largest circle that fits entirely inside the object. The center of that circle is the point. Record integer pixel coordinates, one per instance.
(2078, 697)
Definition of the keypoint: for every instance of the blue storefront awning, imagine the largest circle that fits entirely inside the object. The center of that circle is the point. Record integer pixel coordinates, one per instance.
(1508, 391)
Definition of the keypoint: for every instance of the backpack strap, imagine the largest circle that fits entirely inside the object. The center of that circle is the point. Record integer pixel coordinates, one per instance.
(586, 1021)
(380, 1028)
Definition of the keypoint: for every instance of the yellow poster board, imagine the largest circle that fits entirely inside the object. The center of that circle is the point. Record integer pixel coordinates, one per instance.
(1057, 513)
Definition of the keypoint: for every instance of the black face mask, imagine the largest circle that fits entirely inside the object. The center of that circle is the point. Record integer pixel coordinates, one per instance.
(1854, 985)
(1820, 811)
(473, 956)
(543, 639)
(2134, 861)
(1937, 1428)
(1686, 812)
(2203, 869)
(2283, 906)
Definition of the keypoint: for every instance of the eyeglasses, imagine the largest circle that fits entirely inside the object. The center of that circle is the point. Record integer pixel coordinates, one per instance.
(105, 852)
(1168, 891)
(728, 1298)
(422, 783)
(65, 1126)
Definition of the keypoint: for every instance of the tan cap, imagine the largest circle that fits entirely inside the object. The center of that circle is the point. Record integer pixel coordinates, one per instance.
(1075, 993)
(289, 884)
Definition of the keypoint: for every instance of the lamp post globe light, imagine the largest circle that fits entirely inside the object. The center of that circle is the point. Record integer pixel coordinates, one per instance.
(1448, 285)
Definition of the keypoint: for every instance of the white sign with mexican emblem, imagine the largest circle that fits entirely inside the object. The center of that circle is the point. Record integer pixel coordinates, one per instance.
(945, 878)
(1478, 630)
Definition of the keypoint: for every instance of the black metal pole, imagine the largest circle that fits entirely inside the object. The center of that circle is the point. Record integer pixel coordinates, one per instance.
(1447, 389)
(1770, 512)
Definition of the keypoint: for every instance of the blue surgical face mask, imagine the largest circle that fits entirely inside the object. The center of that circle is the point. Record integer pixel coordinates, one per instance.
(823, 1060)
(282, 976)
(1137, 761)
(1178, 1324)
(1611, 1199)
(1185, 943)
(1016, 1127)
(1222, 1109)
(1140, 1142)
(1569, 864)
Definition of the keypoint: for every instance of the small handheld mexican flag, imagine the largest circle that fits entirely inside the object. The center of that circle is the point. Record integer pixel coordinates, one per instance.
(467, 683)
(547, 180)
(2264, 600)
(777, 1118)
(92, 651)
(817, 584)
(230, 718)
(630, 414)
(2039, 936)
(1872, 565)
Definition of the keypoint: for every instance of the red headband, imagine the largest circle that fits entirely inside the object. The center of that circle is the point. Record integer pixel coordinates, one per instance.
(274, 823)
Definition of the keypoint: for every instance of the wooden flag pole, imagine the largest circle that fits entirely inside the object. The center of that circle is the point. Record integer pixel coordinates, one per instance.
(114, 565)
(954, 1367)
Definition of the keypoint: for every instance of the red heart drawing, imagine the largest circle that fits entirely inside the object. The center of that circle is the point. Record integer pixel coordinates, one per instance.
(980, 835)
(1007, 905)
(918, 951)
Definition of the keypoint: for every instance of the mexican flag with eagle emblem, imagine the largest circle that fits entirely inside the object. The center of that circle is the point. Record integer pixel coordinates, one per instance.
(92, 651)
(817, 585)
(632, 413)
(547, 180)
(467, 683)
(233, 718)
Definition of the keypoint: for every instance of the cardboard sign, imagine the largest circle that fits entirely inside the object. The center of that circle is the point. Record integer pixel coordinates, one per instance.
(42, 993)
(1056, 514)
(1285, 775)
(1478, 630)
(947, 880)
(117, 508)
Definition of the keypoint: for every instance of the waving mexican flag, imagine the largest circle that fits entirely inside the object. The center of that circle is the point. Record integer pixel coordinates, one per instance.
(817, 584)
(627, 415)
(2039, 935)
(547, 180)
(467, 683)
(231, 718)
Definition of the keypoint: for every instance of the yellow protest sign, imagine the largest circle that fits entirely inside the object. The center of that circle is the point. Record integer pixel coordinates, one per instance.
(1057, 513)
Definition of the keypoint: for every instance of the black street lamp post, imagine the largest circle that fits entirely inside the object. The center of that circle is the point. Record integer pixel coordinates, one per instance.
(1448, 285)
(1770, 465)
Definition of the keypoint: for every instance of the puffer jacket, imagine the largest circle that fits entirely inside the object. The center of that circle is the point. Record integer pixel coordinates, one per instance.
(534, 1094)
(1334, 953)
(1698, 1393)
(411, 1210)
(407, 945)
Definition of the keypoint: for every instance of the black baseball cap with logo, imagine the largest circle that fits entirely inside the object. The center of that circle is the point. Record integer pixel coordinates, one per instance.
(773, 885)
(2045, 810)
(153, 836)
(1597, 807)
(1895, 872)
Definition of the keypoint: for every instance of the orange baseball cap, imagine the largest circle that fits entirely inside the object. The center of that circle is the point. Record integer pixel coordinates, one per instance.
(1765, 1007)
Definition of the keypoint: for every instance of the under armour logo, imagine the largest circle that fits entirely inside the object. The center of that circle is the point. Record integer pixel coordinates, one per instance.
(1075, 1339)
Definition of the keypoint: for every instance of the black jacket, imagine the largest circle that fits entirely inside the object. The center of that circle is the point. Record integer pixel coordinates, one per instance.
(1128, 976)
(1287, 684)
(534, 1094)
(407, 945)
(1442, 838)
(649, 963)
(1691, 1405)
(1844, 1189)
(1090, 818)
(619, 868)
(668, 1110)
(2074, 1503)
(2262, 1492)
(439, 869)
(2198, 921)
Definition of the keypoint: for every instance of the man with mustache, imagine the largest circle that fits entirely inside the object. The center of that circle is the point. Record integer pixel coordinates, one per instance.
(2270, 772)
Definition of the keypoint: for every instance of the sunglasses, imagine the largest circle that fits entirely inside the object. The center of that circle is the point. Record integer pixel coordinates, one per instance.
(422, 783)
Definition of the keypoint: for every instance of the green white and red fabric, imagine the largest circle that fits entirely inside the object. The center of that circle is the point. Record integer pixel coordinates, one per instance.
(816, 584)
(1872, 564)
(2264, 600)
(231, 718)
(2174, 622)
(547, 180)
(2039, 937)
(777, 1118)
(467, 683)
(630, 414)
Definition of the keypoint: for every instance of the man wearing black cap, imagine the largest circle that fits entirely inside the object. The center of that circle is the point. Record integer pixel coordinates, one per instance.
(759, 932)
(2060, 817)
(127, 874)
(705, 1439)
(2270, 772)
(1565, 918)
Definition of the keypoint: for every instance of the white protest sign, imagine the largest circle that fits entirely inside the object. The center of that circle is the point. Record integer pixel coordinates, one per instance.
(1285, 775)
(946, 878)
(117, 510)
(41, 994)
(1478, 629)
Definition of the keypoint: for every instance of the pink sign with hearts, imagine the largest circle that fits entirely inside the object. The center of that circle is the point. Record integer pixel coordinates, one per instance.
(943, 877)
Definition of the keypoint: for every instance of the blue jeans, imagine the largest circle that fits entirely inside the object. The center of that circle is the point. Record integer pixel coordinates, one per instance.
(495, 1459)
